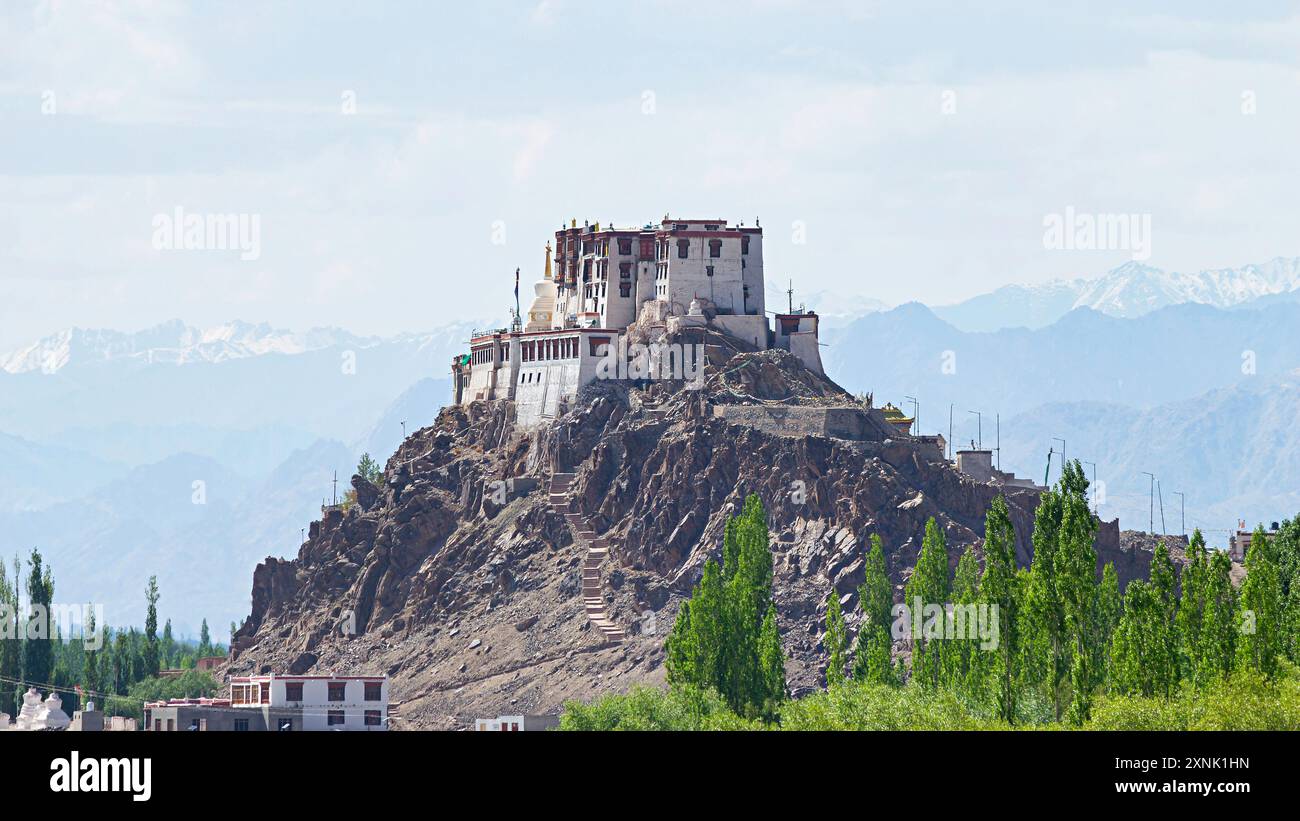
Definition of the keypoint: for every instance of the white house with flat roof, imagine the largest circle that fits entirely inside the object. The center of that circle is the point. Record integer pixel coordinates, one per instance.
(323, 702)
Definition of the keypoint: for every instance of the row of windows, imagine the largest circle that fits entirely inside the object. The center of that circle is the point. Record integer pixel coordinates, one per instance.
(546, 349)
(648, 247)
(260, 693)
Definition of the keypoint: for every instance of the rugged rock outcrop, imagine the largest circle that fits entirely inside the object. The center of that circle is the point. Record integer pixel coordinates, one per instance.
(468, 591)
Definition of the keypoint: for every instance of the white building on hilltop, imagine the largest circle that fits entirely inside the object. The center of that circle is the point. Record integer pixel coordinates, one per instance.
(605, 282)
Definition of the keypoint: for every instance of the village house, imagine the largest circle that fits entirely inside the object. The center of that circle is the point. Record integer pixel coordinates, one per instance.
(280, 703)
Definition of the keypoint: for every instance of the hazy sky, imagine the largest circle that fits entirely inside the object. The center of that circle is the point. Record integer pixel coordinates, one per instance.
(914, 147)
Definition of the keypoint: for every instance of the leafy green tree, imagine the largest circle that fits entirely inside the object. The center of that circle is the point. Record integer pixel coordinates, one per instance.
(1107, 610)
(1075, 562)
(928, 584)
(168, 646)
(771, 663)
(205, 640)
(90, 669)
(872, 662)
(962, 668)
(1261, 615)
(11, 658)
(1138, 648)
(1191, 605)
(151, 647)
(38, 648)
(1045, 649)
(998, 588)
(835, 640)
(1218, 633)
(370, 470)
(716, 640)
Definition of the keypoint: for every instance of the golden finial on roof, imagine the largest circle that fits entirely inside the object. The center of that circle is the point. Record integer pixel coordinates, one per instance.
(547, 275)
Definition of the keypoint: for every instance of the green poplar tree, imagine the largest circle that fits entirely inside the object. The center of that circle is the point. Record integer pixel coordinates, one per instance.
(1261, 615)
(90, 667)
(716, 641)
(38, 648)
(772, 664)
(151, 647)
(835, 640)
(1045, 650)
(998, 588)
(872, 652)
(929, 585)
(1109, 609)
(1164, 640)
(962, 659)
(1218, 634)
(1075, 562)
(1191, 606)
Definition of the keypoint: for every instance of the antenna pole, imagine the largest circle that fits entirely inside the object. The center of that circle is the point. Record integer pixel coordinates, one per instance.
(1151, 520)
(1163, 530)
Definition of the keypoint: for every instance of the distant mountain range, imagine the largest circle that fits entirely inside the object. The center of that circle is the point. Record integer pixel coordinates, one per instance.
(1129, 291)
(105, 435)
(1174, 353)
(1234, 452)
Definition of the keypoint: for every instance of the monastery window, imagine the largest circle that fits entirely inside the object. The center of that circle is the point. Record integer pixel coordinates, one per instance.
(265, 693)
(336, 690)
(625, 270)
(293, 691)
(334, 719)
(647, 249)
(372, 718)
(681, 226)
(241, 725)
(744, 243)
(374, 690)
(715, 247)
(625, 246)
(625, 289)
(708, 270)
(710, 228)
(683, 248)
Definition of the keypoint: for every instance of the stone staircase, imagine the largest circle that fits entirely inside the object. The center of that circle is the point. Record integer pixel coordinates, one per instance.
(597, 551)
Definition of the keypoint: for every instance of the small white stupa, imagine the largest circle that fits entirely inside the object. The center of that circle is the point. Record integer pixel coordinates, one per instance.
(693, 318)
(51, 715)
(541, 314)
(31, 707)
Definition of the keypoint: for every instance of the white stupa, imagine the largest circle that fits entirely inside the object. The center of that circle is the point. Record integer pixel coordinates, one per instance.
(51, 715)
(541, 314)
(31, 707)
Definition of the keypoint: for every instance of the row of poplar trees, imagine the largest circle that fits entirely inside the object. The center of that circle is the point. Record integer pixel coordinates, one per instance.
(725, 637)
(38, 656)
(1064, 637)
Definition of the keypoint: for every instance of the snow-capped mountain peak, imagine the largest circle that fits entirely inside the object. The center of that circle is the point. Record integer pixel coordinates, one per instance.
(1134, 289)
(171, 342)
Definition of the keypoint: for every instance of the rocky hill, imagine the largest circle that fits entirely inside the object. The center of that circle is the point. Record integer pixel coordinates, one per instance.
(463, 581)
